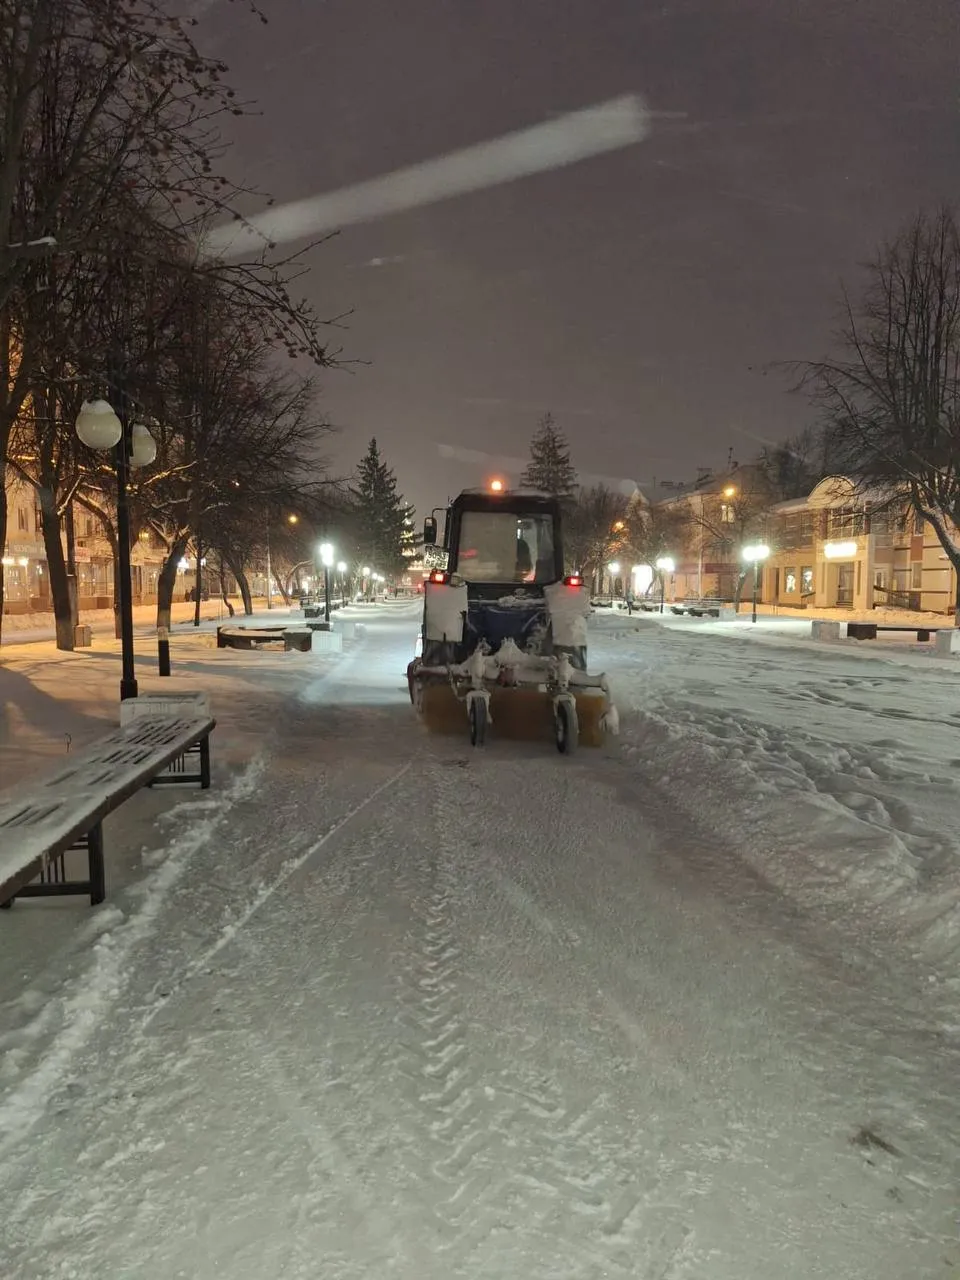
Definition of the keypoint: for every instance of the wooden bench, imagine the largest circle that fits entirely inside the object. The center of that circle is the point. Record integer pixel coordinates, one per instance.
(238, 637)
(64, 811)
(868, 630)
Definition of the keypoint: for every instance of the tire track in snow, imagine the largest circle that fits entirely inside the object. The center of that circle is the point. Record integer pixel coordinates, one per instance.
(266, 891)
(588, 1192)
(319, 1162)
(464, 1164)
(523, 1179)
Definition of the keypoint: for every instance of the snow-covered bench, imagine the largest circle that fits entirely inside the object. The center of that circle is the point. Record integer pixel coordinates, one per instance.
(64, 810)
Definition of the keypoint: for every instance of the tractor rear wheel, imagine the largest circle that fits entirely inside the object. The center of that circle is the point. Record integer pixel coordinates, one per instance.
(567, 727)
(478, 721)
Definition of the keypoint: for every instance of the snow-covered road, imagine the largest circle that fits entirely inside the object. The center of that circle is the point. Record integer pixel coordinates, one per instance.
(398, 1008)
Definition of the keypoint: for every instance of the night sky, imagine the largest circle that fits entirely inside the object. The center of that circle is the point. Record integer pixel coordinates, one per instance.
(637, 295)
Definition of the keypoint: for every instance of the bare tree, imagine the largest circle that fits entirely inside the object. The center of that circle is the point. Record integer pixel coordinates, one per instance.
(794, 467)
(654, 531)
(722, 521)
(98, 98)
(892, 401)
(594, 528)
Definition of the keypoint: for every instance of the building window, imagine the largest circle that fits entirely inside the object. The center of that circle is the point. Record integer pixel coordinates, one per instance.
(789, 581)
(806, 580)
(23, 520)
(88, 527)
(916, 577)
(727, 514)
(845, 522)
(917, 524)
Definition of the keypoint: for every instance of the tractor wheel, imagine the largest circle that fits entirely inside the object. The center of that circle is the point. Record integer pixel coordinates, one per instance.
(567, 727)
(478, 722)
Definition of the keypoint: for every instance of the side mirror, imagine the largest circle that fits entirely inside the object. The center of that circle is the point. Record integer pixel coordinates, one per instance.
(430, 532)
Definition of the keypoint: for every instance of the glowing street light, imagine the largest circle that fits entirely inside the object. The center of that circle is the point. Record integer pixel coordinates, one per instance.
(664, 566)
(326, 559)
(755, 554)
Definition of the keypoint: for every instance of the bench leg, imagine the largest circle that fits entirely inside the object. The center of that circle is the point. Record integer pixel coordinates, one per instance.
(205, 763)
(98, 880)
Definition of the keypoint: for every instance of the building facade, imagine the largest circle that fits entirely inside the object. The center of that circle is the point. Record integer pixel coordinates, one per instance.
(26, 579)
(833, 549)
(836, 549)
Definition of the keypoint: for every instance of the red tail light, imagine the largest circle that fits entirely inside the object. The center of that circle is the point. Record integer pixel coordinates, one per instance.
(439, 577)
(573, 580)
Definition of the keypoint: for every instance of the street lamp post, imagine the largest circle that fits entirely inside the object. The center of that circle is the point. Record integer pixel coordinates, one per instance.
(101, 428)
(755, 555)
(341, 573)
(326, 559)
(664, 566)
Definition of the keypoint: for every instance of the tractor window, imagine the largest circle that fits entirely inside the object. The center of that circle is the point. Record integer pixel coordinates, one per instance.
(500, 546)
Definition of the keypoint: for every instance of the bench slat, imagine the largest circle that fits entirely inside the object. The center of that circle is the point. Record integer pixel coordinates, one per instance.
(39, 821)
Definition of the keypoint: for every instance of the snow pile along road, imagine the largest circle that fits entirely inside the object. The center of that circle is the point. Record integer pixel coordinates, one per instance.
(834, 772)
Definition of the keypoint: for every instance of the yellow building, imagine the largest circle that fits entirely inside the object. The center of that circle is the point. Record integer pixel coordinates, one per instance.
(838, 549)
(26, 580)
(834, 548)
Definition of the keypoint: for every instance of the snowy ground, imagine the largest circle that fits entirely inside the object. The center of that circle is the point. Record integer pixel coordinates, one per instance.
(378, 1005)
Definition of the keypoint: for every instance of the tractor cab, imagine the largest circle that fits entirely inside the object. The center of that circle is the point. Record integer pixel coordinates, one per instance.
(503, 550)
(497, 541)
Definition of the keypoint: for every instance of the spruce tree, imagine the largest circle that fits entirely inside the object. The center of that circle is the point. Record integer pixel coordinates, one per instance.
(550, 468)
(380, 512)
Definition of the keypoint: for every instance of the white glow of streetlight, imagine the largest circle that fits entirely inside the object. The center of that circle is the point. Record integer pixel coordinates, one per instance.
(98, 426)
(341, 566)
(614, 566)
(756, 552)
(365, 571)
(666, 564)
(326, 554)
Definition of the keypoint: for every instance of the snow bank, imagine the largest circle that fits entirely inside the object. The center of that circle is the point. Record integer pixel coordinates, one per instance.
(833, 773)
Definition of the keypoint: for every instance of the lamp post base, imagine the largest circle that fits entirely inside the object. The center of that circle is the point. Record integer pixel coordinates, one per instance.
(128, 689)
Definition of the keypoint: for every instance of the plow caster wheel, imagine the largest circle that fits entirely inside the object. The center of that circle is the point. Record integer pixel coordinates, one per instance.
(567, 727)
(478, 722)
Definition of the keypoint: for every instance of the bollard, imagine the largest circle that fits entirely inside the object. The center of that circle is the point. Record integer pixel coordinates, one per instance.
(948, 642)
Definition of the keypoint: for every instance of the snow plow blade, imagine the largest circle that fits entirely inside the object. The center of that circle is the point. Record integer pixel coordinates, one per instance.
(516, 714)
